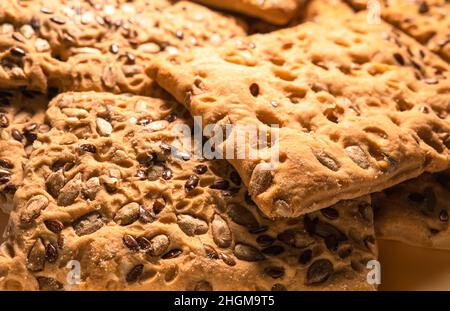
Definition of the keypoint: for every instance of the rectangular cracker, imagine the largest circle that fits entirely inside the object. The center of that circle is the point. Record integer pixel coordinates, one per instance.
(359, 108)
(48, 44)
(428, 21)
(106, 162)
(22, 117)
(415, 212)
(278, 12)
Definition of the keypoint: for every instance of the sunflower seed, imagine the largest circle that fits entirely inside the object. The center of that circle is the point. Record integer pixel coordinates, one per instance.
(191, 225)
(221, 232)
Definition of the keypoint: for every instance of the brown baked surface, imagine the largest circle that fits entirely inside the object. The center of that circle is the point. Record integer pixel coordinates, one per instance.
(102, 188)
(92, 46)
(428, 21)
(360, 108)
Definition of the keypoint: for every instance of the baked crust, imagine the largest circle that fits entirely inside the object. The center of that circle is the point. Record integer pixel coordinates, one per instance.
(427, 21)
(22, 115)
(102, 195)
(415, 212)
(359, 108)
(91, 46)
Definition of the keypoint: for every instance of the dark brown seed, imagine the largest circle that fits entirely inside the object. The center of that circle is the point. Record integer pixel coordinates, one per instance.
(88, 148)
(200, 169)
(57, 20)
(131, 59)
(254, 89)
(179, 34)
(4, 173)
(423, 7)
(51, 253)
(145, 159)
(242, 216)
(4, 179)
(31, 127)
(130, 242)
(18, 37)
(158, 207)
(211, 253)
(305, 256)
(10, 189)
(6, 164)
(274, 272)
(4, 121)
(167, 173)
(278, 288)
(54, 225)
(114, 48)
(247, 253)
(399, 58)
(30, 136)
(171, 117)
(134, 274)
(172, 254)
(265, 240)
(330, 213)
(88, 223)
(144, 121)
(325, 229)
(49, 284)
(228, 259)
(18, 52)
(141, 174)
(273, 250)
(15, 133)
(145, 215)
(319, 271)
(443, 215)
(191, 183)
(143, 243)
(221, 184)
(35, 23)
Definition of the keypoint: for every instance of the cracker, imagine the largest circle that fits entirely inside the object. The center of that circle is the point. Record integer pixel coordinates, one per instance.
(415, 212)
(21, 119)
(428, 21)
(101, 188)
(80, 46)
(359, 108)
(278, 12)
